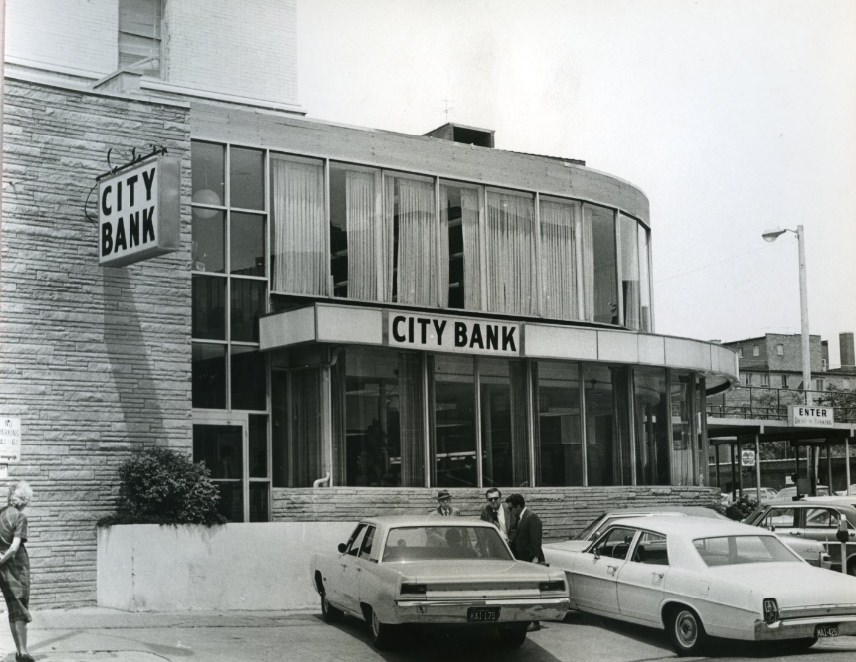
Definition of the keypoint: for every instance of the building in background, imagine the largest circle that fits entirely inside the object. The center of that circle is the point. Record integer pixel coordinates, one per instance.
(344, 312)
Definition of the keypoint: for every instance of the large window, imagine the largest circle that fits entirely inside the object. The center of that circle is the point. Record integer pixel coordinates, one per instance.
(599, 265)
(559, 289)
(630, 272)
(459, 220)
(454, 422)
(650, 406)
(140, 35)
(415, 252)
(378, 402)
(511, 269)
(229, 293)
(559, 440)
(502, 398)
(355, 231)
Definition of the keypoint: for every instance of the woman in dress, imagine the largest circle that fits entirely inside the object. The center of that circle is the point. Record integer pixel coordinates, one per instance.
(15, 566)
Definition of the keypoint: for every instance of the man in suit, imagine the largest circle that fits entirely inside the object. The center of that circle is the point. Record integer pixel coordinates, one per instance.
(496, 511)
(444, 506)
(526, 537)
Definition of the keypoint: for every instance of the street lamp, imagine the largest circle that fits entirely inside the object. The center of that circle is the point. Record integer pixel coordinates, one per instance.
(772, 235)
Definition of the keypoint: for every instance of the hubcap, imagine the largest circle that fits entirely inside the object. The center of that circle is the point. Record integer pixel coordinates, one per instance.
(686, 629)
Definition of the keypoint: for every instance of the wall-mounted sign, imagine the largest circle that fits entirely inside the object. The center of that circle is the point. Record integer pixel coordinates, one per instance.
(138, 212)
(810, 417)
(453, 334)
(10, 440)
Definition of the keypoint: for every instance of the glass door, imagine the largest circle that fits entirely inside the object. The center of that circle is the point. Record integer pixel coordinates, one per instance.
(234, 448)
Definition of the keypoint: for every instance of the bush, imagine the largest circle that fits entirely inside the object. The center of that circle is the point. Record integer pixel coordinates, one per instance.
(162, 486)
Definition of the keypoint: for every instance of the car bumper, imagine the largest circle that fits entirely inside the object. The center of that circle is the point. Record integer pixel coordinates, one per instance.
(455, 611)
(803, 628)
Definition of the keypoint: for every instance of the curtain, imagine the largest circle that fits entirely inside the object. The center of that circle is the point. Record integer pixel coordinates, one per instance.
(412, 224)
(300, 232)
(305, 438)
(362, 235)
(519, 418)
(630, 271)
(588, 266)
(511, 268)
(411, 419)
(558, 261)
(472, 260)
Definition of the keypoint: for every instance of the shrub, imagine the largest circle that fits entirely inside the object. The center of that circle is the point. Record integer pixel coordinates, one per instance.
(163, 486)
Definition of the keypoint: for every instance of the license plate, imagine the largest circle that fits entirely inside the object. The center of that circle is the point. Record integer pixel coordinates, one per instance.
(826, 631)
(482, 614)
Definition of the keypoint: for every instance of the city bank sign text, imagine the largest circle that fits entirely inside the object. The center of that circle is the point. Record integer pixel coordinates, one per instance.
(138, 212)
(453, 334)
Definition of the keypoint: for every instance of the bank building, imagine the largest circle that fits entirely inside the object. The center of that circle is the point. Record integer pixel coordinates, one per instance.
(338, 321)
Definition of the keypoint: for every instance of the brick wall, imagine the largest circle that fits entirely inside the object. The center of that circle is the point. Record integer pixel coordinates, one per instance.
(246, 49)
(562, 509)
(94, 361)
(51, 32)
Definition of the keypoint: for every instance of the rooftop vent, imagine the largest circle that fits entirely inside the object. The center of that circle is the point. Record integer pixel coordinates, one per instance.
(469, 135)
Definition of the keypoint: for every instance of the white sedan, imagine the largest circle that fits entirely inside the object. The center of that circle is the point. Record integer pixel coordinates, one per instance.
(435, 570)
(702, 577)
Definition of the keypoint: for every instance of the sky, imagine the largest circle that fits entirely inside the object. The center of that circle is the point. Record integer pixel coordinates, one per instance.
(732, 116)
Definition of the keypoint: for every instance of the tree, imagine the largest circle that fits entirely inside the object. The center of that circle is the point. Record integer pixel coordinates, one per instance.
(843, 400)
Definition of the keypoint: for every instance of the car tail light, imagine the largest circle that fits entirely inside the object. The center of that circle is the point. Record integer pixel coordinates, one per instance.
(771, 610)
(414, 589)
(558, 585)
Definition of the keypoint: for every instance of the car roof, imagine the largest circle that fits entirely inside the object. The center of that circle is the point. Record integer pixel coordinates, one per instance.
(670, 511)
(831, 500)
(392, 521)
(693, 527)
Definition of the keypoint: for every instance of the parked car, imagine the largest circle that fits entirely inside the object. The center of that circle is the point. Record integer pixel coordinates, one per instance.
(812, 551)
(788, 492)
(432, 570)
(813, 518)
(843, 492)
(701, 577)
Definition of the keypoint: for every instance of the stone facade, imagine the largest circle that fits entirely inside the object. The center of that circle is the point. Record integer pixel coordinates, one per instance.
(94, 361)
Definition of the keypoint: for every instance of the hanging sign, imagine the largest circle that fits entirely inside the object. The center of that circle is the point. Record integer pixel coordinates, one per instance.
(747, 458)
(10, 440)
(138, 212)
(810, 417)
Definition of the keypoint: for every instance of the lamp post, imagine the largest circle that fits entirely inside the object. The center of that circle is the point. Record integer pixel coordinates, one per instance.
(772, 235)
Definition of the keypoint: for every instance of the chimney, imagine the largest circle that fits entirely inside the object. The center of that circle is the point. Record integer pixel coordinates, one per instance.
(845, 344)
(459, 133)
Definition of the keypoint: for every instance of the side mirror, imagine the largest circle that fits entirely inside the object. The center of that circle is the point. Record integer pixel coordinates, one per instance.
(842, 534)
(595, 552)
(342, 547)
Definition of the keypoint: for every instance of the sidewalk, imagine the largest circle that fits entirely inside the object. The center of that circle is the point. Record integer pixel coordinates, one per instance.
(95, 633)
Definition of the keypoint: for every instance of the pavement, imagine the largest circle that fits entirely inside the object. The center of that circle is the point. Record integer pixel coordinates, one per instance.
(96, 634)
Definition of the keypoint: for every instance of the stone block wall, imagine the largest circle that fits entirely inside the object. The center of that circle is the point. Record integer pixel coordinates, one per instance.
(94, 361)
(563, 510)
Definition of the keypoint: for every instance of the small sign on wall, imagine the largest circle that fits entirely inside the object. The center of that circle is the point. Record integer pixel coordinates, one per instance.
(10, 440)
(138, 212)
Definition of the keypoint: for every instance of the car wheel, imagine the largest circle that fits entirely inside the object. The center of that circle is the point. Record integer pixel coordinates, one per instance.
(513, 635)
(685, 631)
(851, 567)
(382, 633)
(330, 613)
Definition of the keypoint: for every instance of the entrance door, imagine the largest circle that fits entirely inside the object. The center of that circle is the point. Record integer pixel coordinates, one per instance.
(234, 448)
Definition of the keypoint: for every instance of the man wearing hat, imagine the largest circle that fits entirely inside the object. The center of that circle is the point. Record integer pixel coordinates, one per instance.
(444, 505)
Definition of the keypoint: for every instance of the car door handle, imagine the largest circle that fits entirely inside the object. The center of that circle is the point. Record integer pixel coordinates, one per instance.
(796, 533)
(610, 569)
(659, 575)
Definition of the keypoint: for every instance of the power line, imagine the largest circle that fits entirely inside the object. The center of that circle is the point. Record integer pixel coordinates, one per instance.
(712, 264)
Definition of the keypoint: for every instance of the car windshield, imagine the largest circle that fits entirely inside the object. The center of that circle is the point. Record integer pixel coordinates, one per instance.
(422, 543)
(733, 550)
(588, 532)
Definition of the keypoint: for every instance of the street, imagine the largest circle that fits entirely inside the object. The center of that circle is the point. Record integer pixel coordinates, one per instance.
(99, 634)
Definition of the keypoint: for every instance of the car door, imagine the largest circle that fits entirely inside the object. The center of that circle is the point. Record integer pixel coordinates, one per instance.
(781, 519)
(821, 523)
(346, 589)
(641, 579)
(596, 571)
